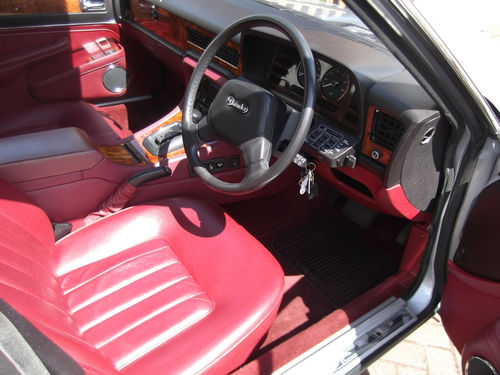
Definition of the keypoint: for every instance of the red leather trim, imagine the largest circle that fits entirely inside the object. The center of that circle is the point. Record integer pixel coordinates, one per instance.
(390, 200)
(20, 58)
(215, 77)
(468, 305)
(114, 203)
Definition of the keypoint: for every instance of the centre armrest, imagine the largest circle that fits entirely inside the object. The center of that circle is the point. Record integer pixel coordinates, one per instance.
(44, 154)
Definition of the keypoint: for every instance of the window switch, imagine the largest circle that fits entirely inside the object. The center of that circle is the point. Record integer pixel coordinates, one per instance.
(220, 164)
(234, 161)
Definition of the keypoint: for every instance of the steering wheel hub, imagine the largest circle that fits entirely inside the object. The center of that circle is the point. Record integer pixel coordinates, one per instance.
(242, 111)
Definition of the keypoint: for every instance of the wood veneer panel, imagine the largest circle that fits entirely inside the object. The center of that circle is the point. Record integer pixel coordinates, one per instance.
(117, 154)
(39, 7)
(173, 29)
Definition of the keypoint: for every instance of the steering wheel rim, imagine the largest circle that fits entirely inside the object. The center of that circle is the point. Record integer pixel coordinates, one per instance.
(258, 173)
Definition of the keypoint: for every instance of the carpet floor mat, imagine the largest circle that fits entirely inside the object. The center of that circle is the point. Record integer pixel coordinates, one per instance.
(335, 257)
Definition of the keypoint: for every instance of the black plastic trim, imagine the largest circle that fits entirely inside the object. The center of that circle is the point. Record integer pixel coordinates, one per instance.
(133, 152)
(140, 178)
(132, 99)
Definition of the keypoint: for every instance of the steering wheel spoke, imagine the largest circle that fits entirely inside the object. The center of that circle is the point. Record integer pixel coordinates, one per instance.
(205, 131)
(256, 153)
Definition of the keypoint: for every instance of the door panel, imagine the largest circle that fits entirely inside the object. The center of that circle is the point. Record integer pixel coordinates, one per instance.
(471, 302)
(57, 64)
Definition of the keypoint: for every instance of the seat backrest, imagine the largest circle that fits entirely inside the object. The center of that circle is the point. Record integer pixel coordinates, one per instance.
(28, 282)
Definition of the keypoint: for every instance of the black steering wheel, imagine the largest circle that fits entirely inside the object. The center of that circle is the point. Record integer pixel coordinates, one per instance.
(246, 115)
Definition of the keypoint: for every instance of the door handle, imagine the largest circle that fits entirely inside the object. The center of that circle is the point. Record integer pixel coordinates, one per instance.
(92, 5)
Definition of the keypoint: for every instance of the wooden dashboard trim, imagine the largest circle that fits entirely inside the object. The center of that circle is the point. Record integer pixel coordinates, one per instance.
(14, 7)
(173, 29)
(118, 154)
(368, 146)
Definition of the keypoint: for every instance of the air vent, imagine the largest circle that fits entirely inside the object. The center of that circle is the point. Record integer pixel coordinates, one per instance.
(386, 130)
(225, 53)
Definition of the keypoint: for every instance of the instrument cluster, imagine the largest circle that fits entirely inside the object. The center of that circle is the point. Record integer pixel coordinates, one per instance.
(336, 93)
(332, 78)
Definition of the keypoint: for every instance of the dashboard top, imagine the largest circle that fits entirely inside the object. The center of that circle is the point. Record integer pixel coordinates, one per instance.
(369, 60)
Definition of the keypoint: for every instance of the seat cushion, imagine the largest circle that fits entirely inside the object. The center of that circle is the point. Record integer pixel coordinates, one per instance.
(176, 286)
(100, 128)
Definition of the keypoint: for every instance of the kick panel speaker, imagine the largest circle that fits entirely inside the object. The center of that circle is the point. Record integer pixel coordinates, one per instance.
(115, 79)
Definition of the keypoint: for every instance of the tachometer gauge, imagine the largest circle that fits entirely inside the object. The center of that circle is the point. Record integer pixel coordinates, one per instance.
(300, 72)
(335, 83)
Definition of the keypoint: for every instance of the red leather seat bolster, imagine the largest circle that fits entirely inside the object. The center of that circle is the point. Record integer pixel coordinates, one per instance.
(208, 289)
(17, 208)
(79, 114)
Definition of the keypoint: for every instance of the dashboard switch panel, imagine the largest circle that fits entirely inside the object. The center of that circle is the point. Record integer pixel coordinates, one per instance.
(331, 144)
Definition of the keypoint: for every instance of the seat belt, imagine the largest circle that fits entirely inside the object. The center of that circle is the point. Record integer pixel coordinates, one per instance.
(16, 355)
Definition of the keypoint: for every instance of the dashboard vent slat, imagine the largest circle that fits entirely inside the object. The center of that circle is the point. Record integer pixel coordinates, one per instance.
(201, 40)
(386, 130)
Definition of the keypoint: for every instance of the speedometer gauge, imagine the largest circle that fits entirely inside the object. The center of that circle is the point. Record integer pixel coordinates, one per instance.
(335, 83)
(300, 71)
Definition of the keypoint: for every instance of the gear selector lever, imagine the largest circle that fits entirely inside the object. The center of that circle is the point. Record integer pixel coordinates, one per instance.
(157, 143)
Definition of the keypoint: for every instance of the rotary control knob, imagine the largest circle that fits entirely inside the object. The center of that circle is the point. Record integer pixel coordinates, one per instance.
(376, 154)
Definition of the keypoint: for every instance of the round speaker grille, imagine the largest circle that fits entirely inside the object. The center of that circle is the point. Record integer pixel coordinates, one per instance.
(115, 79)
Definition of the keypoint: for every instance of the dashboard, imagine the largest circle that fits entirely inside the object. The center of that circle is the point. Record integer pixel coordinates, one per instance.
(377, 135)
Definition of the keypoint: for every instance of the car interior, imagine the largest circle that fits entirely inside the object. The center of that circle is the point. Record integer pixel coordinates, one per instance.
(223, 221)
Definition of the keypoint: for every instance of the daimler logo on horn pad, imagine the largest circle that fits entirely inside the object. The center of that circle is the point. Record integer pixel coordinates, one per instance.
(241, 106)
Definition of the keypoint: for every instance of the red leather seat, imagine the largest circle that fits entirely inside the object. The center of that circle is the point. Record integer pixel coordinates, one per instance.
(170, 287)
(100, 128)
